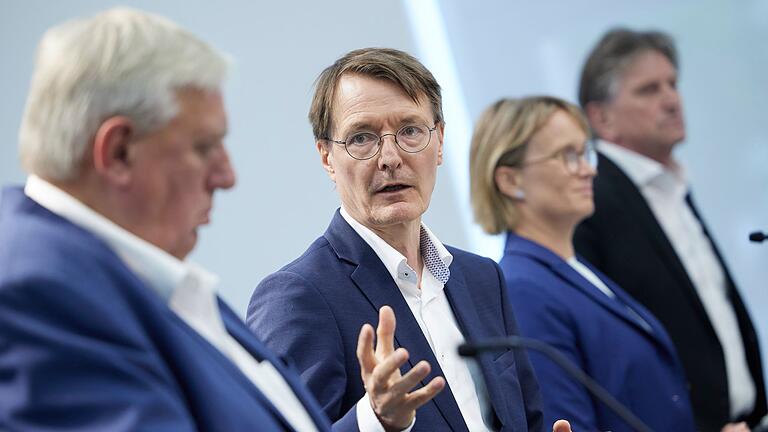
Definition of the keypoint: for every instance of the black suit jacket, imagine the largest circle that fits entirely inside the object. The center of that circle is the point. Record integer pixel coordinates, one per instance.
(624, 240)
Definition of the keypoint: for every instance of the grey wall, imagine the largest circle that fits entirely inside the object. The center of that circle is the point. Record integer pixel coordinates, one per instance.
(480, 50)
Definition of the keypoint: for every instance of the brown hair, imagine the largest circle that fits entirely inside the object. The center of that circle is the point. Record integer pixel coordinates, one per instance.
(607, 60)
(381, 63)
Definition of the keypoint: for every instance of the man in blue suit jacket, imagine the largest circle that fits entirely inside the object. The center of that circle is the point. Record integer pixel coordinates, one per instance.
(377, 119)
(103, 325)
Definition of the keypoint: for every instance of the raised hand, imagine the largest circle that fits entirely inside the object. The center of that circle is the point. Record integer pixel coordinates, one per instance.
(387, 389)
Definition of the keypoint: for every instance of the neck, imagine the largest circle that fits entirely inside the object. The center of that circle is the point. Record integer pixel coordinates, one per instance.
(556, 237)
(404, 238)
(109, 203)
(661, 155)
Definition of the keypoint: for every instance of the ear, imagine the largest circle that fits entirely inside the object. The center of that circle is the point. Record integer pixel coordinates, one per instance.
(601, 118)
(440, 132)
(110, 150)
(508, 181)
(326, 158)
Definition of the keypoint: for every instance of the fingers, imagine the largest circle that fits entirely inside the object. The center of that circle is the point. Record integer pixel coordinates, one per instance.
(561, 426)
(385, 333)
(423, 395)
(365, 353)
(413, 377)
(387, 371)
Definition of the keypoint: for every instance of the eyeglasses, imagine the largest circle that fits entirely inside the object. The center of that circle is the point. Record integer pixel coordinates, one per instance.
(365, 145)
(571, 158)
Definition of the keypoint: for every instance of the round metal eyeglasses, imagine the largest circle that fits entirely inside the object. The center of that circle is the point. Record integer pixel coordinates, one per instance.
(571, 158)
(365, 145)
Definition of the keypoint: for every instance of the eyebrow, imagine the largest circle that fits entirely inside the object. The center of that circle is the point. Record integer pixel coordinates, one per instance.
(368, 126)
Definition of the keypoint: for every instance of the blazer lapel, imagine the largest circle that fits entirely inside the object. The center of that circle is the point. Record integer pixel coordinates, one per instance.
(469, 322)
(375, 282)
(617, 306)
(246, 339)
(624, 190)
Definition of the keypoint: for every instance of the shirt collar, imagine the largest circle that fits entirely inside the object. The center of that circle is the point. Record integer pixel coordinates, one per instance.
(644, 171)
(157, 268)
(436, 257)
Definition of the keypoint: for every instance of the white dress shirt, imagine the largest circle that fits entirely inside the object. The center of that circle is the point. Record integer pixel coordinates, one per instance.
(430, 307)
(188, 289)
(665, 190)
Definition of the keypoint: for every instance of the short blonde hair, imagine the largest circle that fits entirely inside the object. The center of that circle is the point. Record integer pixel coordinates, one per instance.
(500, 138)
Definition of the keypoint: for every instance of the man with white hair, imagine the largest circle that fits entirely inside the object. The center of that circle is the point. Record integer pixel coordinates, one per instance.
(103, 324)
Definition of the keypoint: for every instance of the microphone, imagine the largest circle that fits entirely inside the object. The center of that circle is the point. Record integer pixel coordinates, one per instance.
(516, 342)
(757, 237)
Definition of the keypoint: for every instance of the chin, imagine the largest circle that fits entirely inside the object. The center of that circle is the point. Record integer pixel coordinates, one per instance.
(396, 214)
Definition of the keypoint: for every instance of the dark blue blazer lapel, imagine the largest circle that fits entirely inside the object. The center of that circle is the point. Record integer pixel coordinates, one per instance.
(237, 330)
(375, 282)
(464, 310)
(618, 307)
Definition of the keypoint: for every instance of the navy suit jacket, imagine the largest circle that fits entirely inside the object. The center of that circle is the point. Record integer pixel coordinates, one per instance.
(86, 345)
(312, 310)
(637, 365)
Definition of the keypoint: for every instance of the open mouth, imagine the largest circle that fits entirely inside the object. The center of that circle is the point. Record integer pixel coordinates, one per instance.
(393, 188)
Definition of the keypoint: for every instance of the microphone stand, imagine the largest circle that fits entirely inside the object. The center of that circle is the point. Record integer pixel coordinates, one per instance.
(517, 342)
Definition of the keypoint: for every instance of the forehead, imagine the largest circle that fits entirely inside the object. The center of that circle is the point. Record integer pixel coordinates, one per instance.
(647, 66)
(365, 101)
(201, 111)
(560, 130)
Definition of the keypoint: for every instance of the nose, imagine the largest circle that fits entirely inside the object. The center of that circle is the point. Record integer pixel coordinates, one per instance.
(222, 173)
(389, 155)
(587, 169)
(671, 98)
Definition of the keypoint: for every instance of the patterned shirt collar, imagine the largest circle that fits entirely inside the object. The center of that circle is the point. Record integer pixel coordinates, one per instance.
(436, 257)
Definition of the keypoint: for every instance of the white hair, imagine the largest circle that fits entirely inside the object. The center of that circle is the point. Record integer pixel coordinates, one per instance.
(119, 62)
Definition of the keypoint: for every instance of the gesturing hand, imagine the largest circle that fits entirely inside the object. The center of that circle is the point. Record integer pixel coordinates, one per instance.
(387, 389)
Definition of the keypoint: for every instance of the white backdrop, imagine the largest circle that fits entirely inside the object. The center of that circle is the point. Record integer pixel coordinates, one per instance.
(479, 51)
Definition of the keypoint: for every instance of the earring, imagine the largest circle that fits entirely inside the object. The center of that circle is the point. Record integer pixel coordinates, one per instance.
(518, 194)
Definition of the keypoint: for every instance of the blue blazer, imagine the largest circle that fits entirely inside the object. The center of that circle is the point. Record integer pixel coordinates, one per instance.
(85, 345)
(311, 311)
(636, 364)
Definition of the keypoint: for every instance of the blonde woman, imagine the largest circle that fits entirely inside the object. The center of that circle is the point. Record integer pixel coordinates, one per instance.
(532, 167)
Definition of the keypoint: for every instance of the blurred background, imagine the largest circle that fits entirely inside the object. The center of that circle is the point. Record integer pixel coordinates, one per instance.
(479, 51)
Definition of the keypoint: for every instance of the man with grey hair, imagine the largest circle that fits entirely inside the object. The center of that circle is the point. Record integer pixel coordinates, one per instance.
(103, 324)
(647, 235)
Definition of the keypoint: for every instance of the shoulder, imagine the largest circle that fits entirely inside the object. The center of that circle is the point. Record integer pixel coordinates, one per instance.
(41, 245)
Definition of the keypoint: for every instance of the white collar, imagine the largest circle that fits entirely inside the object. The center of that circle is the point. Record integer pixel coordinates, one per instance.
(157, 268)
(395, 262)
(644, 171)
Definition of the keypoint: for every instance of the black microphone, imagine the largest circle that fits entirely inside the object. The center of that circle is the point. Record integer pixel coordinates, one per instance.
(757, 237)
(516, 342)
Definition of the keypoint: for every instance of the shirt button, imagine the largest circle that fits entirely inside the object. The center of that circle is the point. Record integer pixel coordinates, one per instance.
(675, 398)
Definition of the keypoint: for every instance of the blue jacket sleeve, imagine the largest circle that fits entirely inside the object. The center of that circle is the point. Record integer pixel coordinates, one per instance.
(290, 315)
(61, 353)
(525, 372)
(543, 317)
